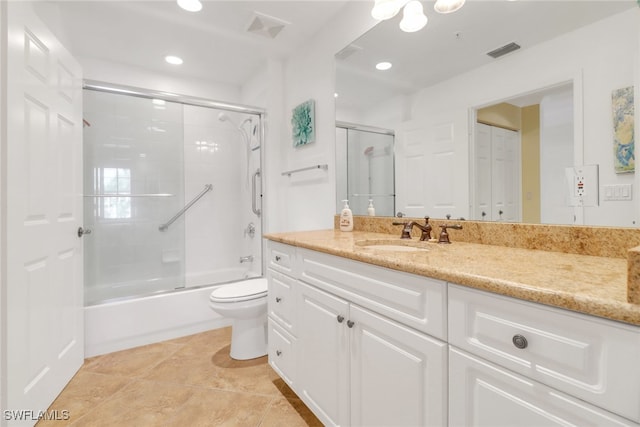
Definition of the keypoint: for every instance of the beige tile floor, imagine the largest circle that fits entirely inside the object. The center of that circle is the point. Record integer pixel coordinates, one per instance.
(189, 381)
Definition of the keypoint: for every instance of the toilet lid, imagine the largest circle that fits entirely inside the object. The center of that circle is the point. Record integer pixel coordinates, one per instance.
(240, 291)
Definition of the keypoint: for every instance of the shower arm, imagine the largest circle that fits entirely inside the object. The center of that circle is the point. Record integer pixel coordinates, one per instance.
(166, 225)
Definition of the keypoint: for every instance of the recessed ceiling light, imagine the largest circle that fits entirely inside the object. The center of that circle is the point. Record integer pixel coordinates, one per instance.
(335, 95)
(383, 66)
(190, 5)
(173, 60)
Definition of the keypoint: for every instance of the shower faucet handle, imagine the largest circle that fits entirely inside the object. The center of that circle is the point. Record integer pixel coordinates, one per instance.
(250, 230)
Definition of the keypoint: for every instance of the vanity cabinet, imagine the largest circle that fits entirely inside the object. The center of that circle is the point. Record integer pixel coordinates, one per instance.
(367, 345)
(514, 362)
(281, 311)
(357, 367)
(357, 334)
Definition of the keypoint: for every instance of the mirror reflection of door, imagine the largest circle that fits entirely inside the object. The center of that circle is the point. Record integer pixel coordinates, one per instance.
(365, 169)
(522, 147)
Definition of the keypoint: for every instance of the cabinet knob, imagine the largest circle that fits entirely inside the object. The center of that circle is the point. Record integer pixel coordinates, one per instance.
(340, 318)
(278, 258)
(350, 323)
(278, 352)
(519, 341)
(278, 299)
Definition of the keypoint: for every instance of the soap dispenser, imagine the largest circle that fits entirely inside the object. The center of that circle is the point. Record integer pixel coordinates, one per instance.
(371, 210)
(346, 218)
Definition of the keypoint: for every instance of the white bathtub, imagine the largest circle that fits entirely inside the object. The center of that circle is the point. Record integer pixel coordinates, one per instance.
(124, 324)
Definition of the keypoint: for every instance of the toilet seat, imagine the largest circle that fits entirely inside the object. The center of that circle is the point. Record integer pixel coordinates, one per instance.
(241, 291)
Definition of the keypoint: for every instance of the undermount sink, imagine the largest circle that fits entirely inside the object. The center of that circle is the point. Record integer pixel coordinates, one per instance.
(390, 245)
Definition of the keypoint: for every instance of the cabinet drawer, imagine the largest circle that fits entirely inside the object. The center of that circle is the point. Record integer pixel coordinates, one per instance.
(282, 356)
(483, 394)
(281, 257)
(593, 359)
(415, 301)
(281, 301)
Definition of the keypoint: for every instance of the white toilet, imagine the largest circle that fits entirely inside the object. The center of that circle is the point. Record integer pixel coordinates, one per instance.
(246, 303)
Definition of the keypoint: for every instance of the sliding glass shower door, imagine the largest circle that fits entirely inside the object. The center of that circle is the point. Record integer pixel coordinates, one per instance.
(133, 180)
(172, 195)
(365, 169)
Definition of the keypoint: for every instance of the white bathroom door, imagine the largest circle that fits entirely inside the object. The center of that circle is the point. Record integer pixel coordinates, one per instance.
(42, 309)
(432, 165)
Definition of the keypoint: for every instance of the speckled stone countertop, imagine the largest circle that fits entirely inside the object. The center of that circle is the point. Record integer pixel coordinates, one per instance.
(588, 284)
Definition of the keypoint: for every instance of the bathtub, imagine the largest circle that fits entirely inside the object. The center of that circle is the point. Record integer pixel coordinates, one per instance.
(128, 323)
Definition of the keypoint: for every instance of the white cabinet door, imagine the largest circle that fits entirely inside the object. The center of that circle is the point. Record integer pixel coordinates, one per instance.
(282, 352)
(497, 174)
(482, 207)
(323, 363)
(398, 376)
(483, 394)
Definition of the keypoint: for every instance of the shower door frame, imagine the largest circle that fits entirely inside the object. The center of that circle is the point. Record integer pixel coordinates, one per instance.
(99, 86)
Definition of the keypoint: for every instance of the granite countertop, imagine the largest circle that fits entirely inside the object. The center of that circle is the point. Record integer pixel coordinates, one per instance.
(587, 284)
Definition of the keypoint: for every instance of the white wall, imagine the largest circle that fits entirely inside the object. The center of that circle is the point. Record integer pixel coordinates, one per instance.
(556, 154)
(307, 200)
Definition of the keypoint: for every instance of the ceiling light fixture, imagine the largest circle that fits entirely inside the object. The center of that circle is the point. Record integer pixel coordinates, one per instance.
(383, 66)
(448, 6)
(173, 60)
(386, 9)
(190, 5)
(413, 17)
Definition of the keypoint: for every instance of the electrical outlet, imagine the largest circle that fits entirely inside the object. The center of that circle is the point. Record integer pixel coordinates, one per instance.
(579, 185)
(583, 182)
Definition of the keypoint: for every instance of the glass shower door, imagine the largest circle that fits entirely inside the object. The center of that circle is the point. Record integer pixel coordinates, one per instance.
(134, 180)
(365, 170)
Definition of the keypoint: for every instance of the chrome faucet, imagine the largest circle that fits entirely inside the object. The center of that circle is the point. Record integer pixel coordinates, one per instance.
(408, 226)
(248, 258)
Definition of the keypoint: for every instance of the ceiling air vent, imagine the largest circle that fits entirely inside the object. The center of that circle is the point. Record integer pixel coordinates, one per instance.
(503, 50)
(265, 25)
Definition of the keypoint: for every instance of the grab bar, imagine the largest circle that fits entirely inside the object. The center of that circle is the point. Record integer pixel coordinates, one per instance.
(255, 209)
(166, 225)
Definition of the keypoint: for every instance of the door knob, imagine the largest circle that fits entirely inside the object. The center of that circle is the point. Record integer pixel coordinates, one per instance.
(83, 231)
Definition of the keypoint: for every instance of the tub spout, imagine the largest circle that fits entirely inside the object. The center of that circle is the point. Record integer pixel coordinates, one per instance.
(248, 258)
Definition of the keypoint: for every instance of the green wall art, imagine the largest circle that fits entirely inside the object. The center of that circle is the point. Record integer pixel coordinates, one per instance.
(623, 130)
(303, 123)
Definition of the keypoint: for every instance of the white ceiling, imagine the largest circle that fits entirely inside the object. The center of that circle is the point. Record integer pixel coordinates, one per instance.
(214, 42)
(217, 47)
(455, 43)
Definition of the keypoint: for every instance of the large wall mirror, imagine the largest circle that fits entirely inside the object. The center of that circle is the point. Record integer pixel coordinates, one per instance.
(527, 136)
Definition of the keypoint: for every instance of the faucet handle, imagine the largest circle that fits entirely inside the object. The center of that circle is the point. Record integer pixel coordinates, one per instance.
(444, 235)
(406, 229)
